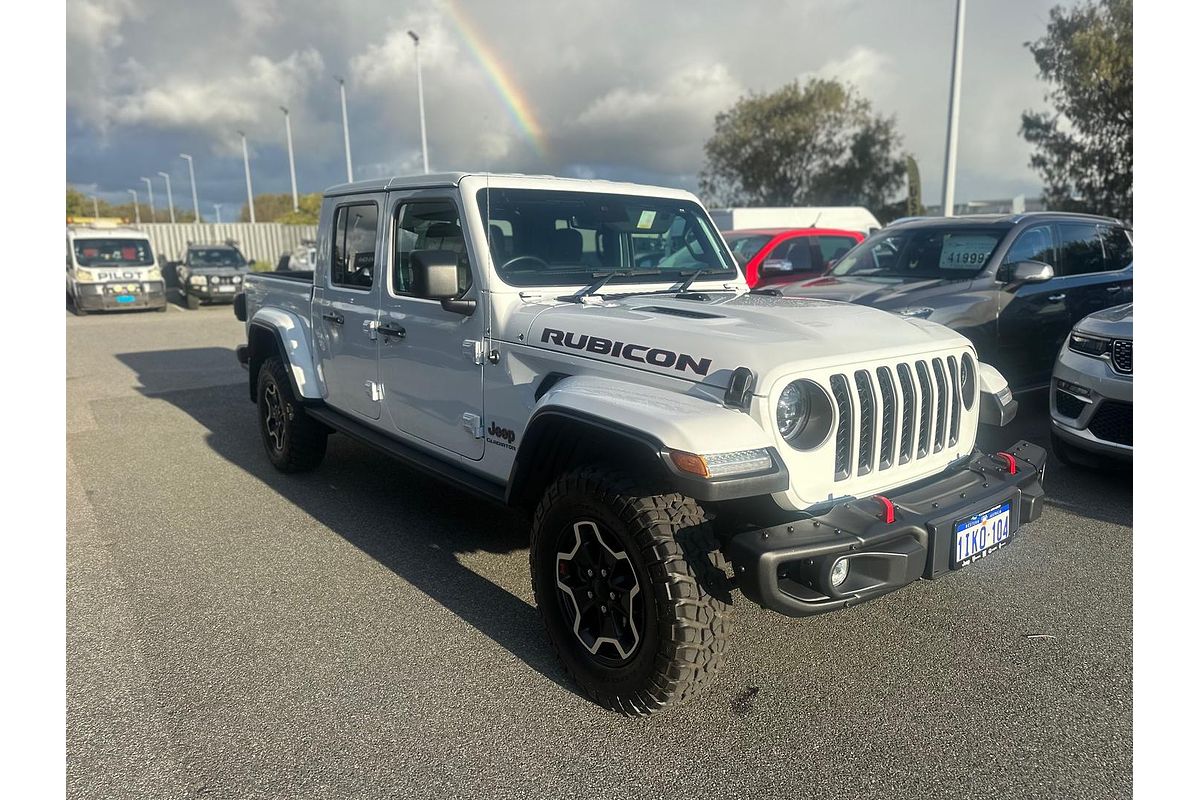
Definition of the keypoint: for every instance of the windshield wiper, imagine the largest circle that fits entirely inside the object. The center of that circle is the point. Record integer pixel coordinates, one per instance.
(595, 287)
(687, 284)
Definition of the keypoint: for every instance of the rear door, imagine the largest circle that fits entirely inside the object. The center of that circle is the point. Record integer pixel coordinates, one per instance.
(346, 306)
(428, 363)
(1097, 262)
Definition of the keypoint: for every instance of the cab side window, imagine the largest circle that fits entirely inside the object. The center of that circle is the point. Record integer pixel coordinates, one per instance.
(1035, 244)
(792, 255)
(1118, 247)
(1081, 249)
(429, 225)
(354, 233)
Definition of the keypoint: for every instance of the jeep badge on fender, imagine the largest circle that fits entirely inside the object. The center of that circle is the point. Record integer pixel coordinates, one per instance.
(682, 441)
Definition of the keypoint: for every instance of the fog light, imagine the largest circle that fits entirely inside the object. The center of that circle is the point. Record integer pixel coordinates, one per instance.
(841, 569)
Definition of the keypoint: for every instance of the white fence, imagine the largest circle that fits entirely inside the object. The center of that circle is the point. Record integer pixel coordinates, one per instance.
(261, 241)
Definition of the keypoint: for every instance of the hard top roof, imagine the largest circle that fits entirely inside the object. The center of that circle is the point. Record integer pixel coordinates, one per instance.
(441, 180)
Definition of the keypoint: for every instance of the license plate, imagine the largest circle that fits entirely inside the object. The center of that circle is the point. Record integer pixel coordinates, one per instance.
(226, 288)
(982, 534)
(126, 298)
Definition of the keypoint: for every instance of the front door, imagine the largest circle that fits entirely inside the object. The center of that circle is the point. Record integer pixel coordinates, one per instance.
(345, 306)
(1033, 318)
(428, 363)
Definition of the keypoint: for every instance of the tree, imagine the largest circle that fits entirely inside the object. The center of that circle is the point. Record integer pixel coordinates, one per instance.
(1083, 150)
(816, 144)
(309, 213)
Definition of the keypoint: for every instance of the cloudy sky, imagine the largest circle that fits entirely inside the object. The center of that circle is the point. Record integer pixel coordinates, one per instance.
(620, 89)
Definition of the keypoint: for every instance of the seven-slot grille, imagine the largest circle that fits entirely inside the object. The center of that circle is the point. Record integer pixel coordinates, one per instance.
(916, 417)
(1122, 356)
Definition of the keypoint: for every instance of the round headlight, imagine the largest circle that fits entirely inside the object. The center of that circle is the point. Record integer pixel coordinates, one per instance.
(966, 378)
(803, 414)
(791, 412)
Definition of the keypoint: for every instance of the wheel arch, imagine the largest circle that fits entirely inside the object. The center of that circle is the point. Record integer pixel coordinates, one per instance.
(275, 332)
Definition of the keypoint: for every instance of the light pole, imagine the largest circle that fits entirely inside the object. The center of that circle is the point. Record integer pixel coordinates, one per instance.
(948, 174)
(217, 206)
(137, 212)
(287, 124)
(345, 129)
(95, 207)
(170, 200)
(150, 191)
(420, 99)
(192, 178)
(249, 188)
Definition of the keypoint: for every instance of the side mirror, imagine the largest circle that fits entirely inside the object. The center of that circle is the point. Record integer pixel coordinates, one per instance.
(1023, 272)
(775, 265)
(435, 277)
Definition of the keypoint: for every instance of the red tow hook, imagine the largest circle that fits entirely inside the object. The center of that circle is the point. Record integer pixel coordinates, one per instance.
(1010, 460)
(889, 509)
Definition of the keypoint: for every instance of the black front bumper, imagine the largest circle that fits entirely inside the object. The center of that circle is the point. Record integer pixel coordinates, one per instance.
(786, 567)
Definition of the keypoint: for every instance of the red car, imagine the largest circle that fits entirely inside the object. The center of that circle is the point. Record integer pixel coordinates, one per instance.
(773, 256)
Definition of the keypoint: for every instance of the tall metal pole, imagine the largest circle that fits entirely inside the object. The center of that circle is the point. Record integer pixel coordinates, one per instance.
(150, 191)
(95, 207)
(287, 124)
(137, 211)
(249, 188)
(170, 200)
(346, 129)
(948, 174)
(420, 99)
(192, 178)
(217, 206)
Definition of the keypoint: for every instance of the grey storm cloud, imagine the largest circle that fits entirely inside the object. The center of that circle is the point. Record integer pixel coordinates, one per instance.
(621, 89)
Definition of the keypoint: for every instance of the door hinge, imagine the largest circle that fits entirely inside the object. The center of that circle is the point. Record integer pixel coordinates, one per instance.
(473, 349)
(473, 424)
(374, 391)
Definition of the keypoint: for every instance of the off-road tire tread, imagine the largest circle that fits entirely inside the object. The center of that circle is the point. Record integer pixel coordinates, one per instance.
(307, 438)
(687, 570)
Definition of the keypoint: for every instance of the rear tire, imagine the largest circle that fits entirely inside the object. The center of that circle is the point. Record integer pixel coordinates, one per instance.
(295, 442)
(655, 634)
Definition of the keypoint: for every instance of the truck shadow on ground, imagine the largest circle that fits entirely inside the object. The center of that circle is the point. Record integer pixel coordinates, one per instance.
(413, 524)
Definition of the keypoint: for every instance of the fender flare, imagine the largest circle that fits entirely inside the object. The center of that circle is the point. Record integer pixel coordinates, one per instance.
(291, 341)
(650, 422)
(997, 406)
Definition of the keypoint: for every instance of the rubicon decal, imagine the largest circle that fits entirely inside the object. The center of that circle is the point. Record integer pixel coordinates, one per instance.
(642, 354)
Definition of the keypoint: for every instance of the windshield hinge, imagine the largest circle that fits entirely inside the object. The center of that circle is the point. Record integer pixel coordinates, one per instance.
(473, 350)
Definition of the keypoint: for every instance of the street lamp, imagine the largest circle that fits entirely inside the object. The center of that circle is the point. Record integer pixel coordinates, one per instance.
(948, 174)
(345, 129)
(192, 177)
(150, 191)
(95, 207)
(420, 99)
(170, 200)
(217, 206)
(137, 211)
(249, 188)
(287, 123)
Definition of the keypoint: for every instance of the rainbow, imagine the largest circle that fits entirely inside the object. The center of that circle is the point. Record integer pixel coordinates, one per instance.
(515, 101)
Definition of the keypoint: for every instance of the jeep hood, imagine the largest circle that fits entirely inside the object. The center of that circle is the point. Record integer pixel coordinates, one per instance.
(705, 339)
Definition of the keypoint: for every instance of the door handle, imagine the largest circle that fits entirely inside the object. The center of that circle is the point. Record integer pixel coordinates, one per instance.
(1056, 298)
(388, 329)
(1115, 289)
(337, 319)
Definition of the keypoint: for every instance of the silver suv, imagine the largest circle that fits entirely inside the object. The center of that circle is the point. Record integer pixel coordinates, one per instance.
(1091, 399)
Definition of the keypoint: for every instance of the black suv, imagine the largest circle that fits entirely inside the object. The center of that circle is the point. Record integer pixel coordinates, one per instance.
(211, 273)
(1013, 284)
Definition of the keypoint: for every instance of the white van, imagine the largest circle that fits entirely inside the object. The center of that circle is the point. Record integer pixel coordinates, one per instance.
(845, 218)
(112, 269)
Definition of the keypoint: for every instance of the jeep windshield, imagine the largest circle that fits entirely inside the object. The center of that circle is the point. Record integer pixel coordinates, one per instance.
(113, 253)
(946, 253)
(562, 238)
(215, 257)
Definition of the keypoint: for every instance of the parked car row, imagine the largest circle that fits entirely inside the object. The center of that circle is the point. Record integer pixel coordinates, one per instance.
(1036, 294)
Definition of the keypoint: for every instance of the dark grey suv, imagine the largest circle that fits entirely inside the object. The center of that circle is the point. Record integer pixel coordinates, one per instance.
(1013, 284)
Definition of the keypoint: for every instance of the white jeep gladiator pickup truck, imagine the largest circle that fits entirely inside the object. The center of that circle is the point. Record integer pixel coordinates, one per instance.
(588, 352)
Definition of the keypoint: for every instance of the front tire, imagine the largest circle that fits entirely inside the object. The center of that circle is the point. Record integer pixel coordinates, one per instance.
(191, 300)
(295, 442)
(632, 588)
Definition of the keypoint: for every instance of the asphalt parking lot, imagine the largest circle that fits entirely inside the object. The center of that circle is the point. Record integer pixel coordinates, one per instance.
(365, 631)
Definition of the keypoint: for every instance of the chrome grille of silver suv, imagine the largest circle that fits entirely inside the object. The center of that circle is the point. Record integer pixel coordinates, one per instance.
(920, 419)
